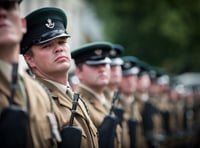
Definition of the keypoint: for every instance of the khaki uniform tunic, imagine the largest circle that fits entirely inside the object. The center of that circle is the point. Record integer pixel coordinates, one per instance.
(161, 103)
(98, 111)
(81, 120)
(38, 107)
(132, 112)
(151, 114)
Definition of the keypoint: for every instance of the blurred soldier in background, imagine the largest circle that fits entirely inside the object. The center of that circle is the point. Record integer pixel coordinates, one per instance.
(196, 93)
(115, 72)
(93, 71)
(47, 52)
(24, 105)
(151, 117)
(73, 81)
(131, 126)
(173, 99)
(182, 133)
(112, 90)
(158, 91)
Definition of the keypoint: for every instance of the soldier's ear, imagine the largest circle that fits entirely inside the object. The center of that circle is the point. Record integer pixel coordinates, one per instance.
(23, 22)
(77, 72)
(29, 60)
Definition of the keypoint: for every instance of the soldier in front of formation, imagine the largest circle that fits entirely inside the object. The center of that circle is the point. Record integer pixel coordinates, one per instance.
(93, 70)
(24, 104)
(46, 50)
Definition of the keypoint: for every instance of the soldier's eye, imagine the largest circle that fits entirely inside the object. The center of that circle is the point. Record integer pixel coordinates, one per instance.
(8, 5)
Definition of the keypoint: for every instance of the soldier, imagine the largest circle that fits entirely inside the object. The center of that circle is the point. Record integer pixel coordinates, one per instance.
(131, 125)
(23, 112)
(46, 50)
(115, 72)
(151, 117)
(93, 71)
(112, 90)
(159, 93)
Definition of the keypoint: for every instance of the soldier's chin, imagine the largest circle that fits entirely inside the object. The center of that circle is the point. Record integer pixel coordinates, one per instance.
(10, 39)
(9, 42)
(65, 67)
(104, 82)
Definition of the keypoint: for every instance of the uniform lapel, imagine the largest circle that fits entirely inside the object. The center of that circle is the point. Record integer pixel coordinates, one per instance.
(61, 98)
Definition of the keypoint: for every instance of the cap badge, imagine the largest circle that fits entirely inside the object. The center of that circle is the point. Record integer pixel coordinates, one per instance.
(127, 65)
(98, 51)
(50, 24)
(113, 53)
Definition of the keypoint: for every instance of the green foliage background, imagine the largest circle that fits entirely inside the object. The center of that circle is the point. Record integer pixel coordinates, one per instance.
(163, 33)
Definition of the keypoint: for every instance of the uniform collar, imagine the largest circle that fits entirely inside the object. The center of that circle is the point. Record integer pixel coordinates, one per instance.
(128, 99)
(100, 97)
(61, 87)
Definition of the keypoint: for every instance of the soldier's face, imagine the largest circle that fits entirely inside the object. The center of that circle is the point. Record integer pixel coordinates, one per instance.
(51, 59)
(129, 84)
(95, 76)
(12, 26)
(115, 75)
(144, 82)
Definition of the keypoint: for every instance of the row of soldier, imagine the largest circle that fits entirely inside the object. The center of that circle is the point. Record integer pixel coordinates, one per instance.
(43, 111)
(151, 112)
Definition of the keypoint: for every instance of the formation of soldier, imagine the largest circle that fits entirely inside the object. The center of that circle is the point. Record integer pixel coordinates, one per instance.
(151, 113)
(119, 102)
